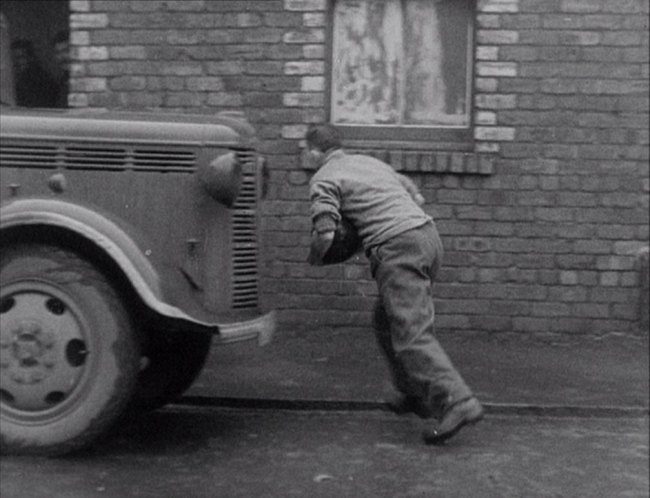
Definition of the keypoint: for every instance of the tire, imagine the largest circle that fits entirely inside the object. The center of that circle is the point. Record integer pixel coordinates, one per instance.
(69, 357)
(173, 360)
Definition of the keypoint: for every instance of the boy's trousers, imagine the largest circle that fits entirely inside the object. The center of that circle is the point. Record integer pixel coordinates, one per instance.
(404, 268)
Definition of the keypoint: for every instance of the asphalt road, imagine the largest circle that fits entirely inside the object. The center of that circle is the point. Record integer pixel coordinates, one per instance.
(195, 452)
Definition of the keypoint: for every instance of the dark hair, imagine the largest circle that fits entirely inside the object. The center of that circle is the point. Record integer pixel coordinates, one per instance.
(323, 137)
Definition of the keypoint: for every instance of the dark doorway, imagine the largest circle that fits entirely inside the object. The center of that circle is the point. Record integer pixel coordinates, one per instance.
(38, 31)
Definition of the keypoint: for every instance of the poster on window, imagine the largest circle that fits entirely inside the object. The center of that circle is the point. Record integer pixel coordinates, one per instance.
(401, 63)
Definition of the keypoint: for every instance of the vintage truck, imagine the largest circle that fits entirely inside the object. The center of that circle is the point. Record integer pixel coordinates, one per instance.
(129, 245)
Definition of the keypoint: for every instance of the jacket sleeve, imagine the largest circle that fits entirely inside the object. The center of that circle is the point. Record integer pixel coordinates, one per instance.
(322, 236)
(325, 199)
(325, 215)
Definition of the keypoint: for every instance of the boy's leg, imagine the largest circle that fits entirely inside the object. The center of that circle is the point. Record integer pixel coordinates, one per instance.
(403, 269)
(408, 401)
(383, 335)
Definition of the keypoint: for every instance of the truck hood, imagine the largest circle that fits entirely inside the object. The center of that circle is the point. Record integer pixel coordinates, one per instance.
(229, 129)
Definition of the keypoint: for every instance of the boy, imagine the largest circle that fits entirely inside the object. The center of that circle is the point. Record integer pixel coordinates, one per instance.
(404, 249)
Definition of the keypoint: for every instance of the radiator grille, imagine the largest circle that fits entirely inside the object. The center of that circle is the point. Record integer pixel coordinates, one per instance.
(244, 235)
(90, 157)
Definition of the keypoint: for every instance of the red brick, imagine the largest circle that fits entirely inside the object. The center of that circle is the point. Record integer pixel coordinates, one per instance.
(551, 309)
(128, 83)
(184, 99)
(580, 6)
(603, 21)
(263, 35)
(110, 5)
(184, 5)
(562, 53)
(283, 19)
(491, 323)
(305, 5)
(264, 67)
(539, 5)
(631, 38)
(520, 21)
(562, 21)
(626, 6)
(248, 5)
(519, 85)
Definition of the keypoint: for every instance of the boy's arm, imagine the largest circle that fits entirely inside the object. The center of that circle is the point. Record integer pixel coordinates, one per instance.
(322, 235)
(325, 217)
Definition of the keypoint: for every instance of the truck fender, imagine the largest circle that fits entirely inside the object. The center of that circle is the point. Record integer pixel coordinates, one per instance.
(111, 237)
(108, 236)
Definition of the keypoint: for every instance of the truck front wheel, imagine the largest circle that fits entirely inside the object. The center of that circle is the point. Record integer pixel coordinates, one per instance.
(68, 353)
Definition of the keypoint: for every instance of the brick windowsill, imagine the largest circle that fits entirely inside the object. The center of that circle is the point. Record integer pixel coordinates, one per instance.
(430, 161)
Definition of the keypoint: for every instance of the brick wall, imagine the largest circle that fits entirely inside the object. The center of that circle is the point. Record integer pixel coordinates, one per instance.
(543, 217)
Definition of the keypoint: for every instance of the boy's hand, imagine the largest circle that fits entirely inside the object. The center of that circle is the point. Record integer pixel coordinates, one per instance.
(320, 243)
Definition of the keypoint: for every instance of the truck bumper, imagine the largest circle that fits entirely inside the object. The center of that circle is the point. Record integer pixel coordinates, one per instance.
(260, 328)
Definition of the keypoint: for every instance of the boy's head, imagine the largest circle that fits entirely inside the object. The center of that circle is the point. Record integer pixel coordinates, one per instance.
(323, 137)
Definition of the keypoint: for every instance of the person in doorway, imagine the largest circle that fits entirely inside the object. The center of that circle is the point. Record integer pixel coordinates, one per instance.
(34, 87)
(405, 251)
(7, 90)
(61, 47)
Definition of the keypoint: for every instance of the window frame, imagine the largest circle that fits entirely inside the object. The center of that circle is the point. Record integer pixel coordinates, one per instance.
(414, 136)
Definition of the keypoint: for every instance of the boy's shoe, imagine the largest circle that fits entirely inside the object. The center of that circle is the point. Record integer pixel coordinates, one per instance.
(465, 412)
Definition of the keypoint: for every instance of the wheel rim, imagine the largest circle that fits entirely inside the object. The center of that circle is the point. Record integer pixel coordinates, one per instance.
(45, 350)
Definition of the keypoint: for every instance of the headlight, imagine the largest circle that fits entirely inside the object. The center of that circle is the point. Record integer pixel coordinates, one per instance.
(221, 178)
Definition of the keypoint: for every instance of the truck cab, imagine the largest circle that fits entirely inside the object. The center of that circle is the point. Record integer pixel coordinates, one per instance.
(129, 245)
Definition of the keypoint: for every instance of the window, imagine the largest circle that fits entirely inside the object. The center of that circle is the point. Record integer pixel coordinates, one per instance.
(401, 68)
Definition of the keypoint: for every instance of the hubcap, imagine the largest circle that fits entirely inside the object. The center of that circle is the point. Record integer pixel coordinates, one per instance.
(43, 348)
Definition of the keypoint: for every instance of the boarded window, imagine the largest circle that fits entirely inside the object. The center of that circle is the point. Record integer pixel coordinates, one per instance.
(402, 63)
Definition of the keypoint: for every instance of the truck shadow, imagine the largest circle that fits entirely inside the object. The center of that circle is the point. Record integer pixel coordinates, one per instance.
(173, 431)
